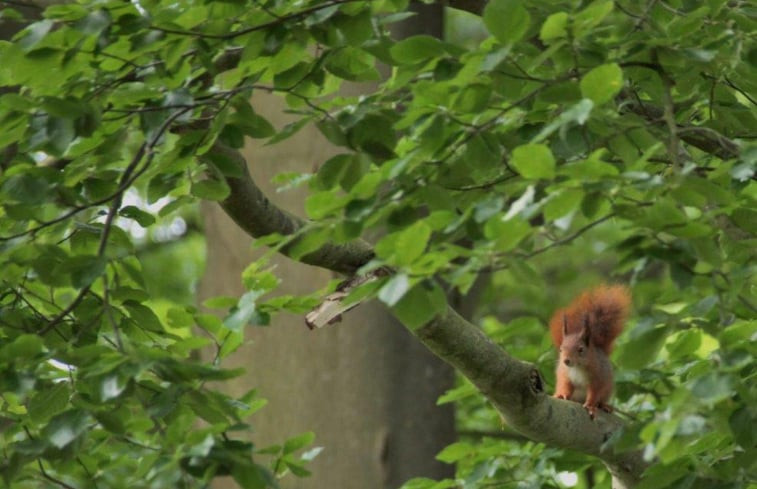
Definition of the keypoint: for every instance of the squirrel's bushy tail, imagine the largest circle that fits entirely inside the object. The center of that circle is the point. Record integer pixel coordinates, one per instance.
(604, 309)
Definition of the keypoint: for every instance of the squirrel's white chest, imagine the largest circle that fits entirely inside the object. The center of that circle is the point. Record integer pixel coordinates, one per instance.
(579, 377)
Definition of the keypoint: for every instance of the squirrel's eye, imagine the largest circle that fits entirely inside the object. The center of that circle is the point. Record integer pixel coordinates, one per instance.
(580, 349)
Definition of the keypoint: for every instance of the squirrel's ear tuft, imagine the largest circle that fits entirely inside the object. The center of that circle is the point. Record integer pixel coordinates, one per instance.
(585, 336)
(565, 325)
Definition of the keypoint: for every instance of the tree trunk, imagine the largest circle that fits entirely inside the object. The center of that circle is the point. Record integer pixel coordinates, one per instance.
(366, 387)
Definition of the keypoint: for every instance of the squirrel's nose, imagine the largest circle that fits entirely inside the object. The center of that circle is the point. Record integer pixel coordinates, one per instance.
(567, 361)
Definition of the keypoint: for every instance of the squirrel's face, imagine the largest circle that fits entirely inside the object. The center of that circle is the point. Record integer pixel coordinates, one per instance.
(573, 350)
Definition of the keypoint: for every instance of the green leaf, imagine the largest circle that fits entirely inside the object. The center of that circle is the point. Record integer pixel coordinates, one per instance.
(554, 27)
(641, 351)
(83, 269)
(288, 131)
(590, 17)
(743, 423)
(28, 187)
(740, 331)
(34, 34)
(602, 83)
(393, 290)
(506, 234)
(406, 246)
(210, 190)
(420, 305)
(296, 468)
(245, 311)
(66, 427)
(144, 219)
(343, 169)
(660, 476)
(592, 168)
(455, 452)
(352, 64)
(684, 343)
(579, 113)
(95, 22)
(112, 386)
(507, 20)
(143, 316)
(464, 391)
(416, 49)
(299, 441)
(563, 203)
(249, 476)
(534, 161)
(25, 346)
(712, 387)
(250, 122)
(49, 402)
(322, 204)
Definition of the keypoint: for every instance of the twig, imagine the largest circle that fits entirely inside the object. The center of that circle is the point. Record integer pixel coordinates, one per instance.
(129, 175)
(51, 478)
(481, 186)
(571, 237)
(742, 92)
(109, 314)
(267, 25)
(668, 113)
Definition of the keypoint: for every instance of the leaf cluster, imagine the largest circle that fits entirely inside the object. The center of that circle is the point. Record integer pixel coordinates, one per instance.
(579, 141)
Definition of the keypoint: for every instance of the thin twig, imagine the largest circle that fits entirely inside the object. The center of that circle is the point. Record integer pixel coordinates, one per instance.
(485, 185)
(109, 315)
(129, 175)
(267, 25)
(742, 92)
(51, 478)
(571, 237)
(669, 113)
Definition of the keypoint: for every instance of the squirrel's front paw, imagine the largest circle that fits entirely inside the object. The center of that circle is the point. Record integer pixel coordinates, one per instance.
(559, 396)
(591, 409)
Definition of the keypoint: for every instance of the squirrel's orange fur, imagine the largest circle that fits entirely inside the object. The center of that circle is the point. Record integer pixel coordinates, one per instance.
(584, 333)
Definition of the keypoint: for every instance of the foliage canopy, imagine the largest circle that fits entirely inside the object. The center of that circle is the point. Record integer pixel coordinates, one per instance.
(577, 141)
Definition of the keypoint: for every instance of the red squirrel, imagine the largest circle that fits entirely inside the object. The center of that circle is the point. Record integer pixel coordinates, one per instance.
(584, 333)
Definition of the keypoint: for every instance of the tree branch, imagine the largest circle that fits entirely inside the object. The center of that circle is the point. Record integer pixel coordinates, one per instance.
(706, 139)
(514, 387)
(256, 215)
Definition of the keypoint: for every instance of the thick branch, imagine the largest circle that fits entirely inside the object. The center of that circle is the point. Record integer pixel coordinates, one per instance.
(514, 387)
(256, 215)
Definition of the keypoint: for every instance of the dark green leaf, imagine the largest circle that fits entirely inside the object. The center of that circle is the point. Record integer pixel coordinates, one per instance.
(507, 20)
(66, 427)
(83, 269)
(641, 351)
(416, 49)
(49, 402)
(144, 219)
